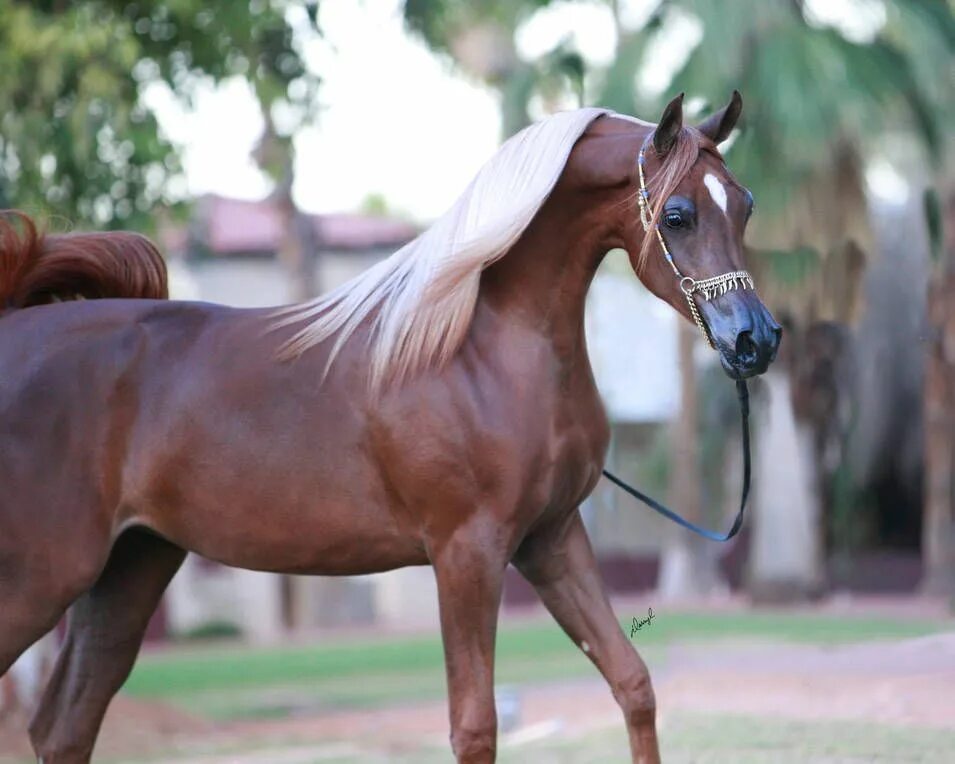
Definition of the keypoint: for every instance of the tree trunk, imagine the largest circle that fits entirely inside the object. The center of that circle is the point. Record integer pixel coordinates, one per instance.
(938, 539)
(785, 561)
(299, 247)
(687, 566)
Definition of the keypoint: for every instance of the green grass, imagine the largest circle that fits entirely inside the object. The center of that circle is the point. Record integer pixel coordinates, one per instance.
(775, 626)
(234, 682)
(226, 682)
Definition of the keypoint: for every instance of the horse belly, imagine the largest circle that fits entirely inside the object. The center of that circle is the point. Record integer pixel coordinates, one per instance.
(325, 553)
(280, 500)
(270, 518)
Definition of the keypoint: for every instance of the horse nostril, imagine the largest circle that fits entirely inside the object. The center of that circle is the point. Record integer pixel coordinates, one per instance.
(747, 353)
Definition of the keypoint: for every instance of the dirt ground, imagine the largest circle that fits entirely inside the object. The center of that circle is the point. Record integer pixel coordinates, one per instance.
(906, 683)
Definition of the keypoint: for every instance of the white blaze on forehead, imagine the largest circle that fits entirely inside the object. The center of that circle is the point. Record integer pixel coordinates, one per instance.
(716, 190)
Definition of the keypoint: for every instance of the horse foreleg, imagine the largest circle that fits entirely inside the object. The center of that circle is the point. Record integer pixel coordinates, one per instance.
(560, 564)
(106, 627)
(469, 569)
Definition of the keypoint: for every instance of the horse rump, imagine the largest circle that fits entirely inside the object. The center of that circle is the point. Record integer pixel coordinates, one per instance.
(38, 268)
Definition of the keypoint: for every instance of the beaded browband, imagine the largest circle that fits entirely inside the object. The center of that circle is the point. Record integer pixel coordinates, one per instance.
(708, 288)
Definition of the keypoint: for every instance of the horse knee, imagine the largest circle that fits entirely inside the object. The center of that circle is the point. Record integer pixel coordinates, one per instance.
(636, 698)
(474, 738)
(474, 744)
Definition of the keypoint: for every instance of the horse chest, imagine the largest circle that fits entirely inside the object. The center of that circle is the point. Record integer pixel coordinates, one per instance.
(573, 451)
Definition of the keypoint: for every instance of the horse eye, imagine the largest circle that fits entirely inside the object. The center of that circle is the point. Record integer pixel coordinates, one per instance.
(673, 220)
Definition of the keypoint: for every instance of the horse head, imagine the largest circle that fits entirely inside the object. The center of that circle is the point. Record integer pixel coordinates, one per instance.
(681, 216)
(701, 218)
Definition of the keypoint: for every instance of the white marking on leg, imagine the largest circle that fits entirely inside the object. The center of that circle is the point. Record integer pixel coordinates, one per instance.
(716, 190)
(584, 646)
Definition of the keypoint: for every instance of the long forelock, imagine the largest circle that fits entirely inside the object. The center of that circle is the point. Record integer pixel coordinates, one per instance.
(675, 166)
(420, 301)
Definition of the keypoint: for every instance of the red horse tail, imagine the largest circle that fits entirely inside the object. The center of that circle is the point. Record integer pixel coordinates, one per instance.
(36, 268)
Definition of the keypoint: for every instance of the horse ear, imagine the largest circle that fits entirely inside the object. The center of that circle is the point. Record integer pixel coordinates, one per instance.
(669, 126)
(718, 126)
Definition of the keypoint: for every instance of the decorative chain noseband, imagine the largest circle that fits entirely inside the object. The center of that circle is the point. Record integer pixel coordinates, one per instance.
(708, 288)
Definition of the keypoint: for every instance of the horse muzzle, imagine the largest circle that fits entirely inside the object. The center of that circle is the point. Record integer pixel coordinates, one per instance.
(744, 332)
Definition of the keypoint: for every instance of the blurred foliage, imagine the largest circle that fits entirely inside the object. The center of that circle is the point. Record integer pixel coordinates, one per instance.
(933, 217)
(75, 137)
(816, 102)
(212, 630)
(650, 467)
(479, 38)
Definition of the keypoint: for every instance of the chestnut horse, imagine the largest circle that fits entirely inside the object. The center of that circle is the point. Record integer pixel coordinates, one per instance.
(438, 410)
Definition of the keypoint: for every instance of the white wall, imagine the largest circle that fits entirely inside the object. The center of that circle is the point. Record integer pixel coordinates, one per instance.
(255, 283)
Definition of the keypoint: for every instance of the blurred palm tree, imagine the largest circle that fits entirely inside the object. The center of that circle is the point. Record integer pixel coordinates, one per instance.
(820, 105)
(938, 531)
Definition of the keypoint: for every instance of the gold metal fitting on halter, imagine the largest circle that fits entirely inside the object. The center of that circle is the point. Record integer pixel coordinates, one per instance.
(706, 288)
(718, 285)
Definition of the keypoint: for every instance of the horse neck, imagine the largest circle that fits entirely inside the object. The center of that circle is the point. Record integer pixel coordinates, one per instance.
(542, 282)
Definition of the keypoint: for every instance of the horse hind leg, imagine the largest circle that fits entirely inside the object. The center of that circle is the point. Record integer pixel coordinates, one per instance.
(106, 628)
(33, 598)
(25, 620)
(22, 623)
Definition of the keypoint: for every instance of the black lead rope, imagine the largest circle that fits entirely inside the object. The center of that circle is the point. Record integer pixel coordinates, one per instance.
(743, 394)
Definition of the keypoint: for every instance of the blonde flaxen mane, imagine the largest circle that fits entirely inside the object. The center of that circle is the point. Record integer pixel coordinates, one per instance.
(423, 296)
(421, 299)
